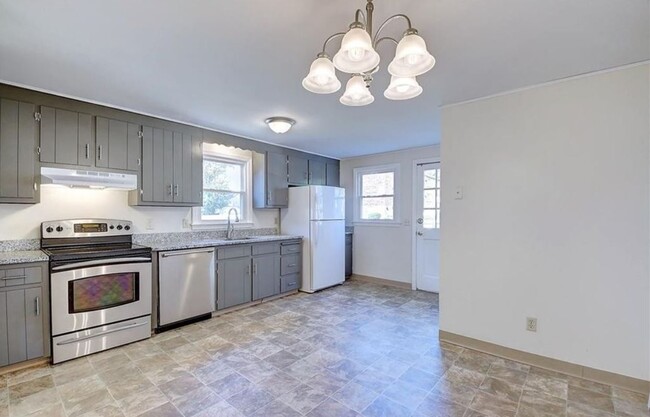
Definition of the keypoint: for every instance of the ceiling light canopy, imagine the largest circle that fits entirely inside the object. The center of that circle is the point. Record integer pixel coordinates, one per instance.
(358, 56)
(280, 124)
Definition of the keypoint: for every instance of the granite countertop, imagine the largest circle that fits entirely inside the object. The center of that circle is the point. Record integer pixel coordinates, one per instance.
(203, 243)
(22, 256)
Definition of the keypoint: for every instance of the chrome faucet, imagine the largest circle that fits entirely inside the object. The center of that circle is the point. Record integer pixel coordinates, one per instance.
(230, 230)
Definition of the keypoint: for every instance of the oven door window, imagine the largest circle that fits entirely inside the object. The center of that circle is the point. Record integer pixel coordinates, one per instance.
(103, 291)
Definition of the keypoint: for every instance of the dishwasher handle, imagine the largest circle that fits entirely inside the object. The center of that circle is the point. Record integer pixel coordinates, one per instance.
(185, 252)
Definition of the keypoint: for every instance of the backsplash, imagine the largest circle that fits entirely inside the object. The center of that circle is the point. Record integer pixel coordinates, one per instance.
(159, 239)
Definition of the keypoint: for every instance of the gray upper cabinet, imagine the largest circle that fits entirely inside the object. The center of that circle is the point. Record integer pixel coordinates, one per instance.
(172, 169)
(317, 173)
(66, 137)
(18, 152)
(270, 183)
(298, 170)
(117, 144)
(333, 175)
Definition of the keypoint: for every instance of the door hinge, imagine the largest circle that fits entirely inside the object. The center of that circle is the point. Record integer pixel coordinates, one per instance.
(38, 150)
(37, 116)
(140, 134)
(139, 161)
(141, 191)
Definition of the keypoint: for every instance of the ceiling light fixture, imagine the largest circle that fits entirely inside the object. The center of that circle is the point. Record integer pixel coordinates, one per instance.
(358, 56)
(280, 124)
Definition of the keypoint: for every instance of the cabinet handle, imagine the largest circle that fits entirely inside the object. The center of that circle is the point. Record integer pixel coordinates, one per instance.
(10, 278)
(309, 177)
(87, 150)
(99, 152)
(176, 190)
(37, 306)
(170, 189)
(292, 265)
(248, 269)
(254, 269)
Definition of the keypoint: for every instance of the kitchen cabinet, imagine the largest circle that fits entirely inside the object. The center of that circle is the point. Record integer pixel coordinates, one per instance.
(118, 144)
(172, 169)
(24, 313)
(66, 137)
(270, 180)
(18, 152)
(348, 254)
(290, 265)
(298, 170)
(266, 276)
(317, 174)
(332, 174)
(234, 282)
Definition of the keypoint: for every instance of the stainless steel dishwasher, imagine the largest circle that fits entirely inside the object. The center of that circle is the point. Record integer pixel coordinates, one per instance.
(186, 286)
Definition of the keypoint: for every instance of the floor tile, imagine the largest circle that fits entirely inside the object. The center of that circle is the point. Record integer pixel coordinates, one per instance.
(180, 386)
(355, 396)
(165, 410)
(250, 400)
(385, 407)
(434, 406)
(220, 409)
(331, 408)
(230, 385)
(196, 401)
(596, 400)
(455, 392)
(501, 389)
(276, 409)
(304, 398)
(405, 394)
(140, 402)
(493, 406)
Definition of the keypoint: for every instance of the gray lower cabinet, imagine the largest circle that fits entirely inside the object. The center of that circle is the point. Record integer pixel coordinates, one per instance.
(66, 137)
(290, 265)
(18, 152)
(118, 144)
(266, 276)
(348, 254)
(333, 174)
(24, 313)
(317, 173)
(172, 169)
(234, 282)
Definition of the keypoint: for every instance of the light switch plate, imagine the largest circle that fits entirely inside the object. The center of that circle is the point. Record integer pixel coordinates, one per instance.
(459, 193)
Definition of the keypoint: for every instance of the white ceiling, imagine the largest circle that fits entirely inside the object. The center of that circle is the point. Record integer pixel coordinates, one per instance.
(228, 65)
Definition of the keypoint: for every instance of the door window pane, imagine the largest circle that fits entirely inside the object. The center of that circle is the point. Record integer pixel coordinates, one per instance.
(102, 291)
(377, 208)
(430, 178)
(430, 201)
(431, 219)
(216, 204)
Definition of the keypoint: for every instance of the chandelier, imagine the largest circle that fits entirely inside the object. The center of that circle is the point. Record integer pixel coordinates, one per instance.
(358, 57)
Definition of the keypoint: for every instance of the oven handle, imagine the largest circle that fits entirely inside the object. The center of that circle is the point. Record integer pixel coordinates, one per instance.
(101, 262)
(92, 336)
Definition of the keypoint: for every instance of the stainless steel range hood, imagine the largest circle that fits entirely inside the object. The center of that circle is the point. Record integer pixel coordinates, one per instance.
(76, 178)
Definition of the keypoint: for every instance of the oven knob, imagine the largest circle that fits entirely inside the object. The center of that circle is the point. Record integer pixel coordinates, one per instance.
(127, 227)
(112, 227)
(119, 227)
(49, 229)
(59, 229)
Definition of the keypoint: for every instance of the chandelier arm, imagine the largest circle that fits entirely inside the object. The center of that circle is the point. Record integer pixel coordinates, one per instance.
(331, 38)
(385, 38)
(390, 19)
(358, 13)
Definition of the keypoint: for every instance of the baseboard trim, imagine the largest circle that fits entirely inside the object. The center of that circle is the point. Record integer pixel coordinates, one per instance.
(381, 281)
(604, 377)
(33, 363)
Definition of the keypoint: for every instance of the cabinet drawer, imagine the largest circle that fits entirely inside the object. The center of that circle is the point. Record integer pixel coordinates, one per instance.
(20, 276)
(291, 248)
(233, 252)
(290, 264)
(264, 248)
(289, 282)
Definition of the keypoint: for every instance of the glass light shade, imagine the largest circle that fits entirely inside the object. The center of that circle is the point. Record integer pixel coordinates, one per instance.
(280, 124)
(322, 77)
(356, 54)
(356, 93)
(411, 58)
(402, 88)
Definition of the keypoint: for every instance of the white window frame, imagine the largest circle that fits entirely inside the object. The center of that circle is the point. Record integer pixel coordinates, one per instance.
(245, 217)
(377, 169)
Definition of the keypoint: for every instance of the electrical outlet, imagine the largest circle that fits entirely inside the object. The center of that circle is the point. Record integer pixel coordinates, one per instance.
(186, 224)
(458, 195)
(149, 225)
(531, 324)
(276, 220)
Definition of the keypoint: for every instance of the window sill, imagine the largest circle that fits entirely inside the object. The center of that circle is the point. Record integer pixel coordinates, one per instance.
(221, 225)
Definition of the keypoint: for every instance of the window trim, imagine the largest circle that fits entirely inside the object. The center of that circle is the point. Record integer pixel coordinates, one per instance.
(245, 217)
(377, 169)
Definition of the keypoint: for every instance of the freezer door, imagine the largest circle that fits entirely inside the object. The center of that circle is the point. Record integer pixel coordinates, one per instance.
(327, 243)
(327, 203)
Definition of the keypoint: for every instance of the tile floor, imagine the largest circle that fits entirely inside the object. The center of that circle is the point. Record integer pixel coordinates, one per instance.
(358, 349)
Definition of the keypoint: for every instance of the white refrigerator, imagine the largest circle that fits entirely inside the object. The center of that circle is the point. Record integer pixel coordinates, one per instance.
(317, 213)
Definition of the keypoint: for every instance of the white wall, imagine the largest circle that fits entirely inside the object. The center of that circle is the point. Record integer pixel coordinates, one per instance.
(384, 251)
(554, 222)
(23, 221)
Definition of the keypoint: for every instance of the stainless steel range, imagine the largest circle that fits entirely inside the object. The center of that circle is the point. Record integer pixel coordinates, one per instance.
(100, 285)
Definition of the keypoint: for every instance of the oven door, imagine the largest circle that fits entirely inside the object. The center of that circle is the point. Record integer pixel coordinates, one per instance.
(96, 293)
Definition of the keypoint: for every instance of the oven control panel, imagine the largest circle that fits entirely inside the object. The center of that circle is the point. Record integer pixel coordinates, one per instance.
(86, 228)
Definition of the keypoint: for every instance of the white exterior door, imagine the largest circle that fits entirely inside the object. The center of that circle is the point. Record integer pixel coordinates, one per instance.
(427, 200)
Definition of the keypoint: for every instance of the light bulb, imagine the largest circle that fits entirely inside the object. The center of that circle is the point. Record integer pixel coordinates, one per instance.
(413, 59)
(321, 79)
(402, 88)
(356, 54)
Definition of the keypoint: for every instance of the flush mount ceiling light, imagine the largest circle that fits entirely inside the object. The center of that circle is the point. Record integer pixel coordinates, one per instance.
(358, 56)
(280, 124)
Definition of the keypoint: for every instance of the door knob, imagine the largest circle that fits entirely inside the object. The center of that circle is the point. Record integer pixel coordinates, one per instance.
(420, 220)
(420, 233)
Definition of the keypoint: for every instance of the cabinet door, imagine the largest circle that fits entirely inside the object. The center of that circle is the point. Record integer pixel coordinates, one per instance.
(149, 161)
(17, 152)
(234, 282)
(185, 183)
(34, 322)
(112, 143)
(85, 147)
(168, 166)
(277, 186)
(298, 171)
(333, 175)
(266, 276)
(134, 146)
(59, 136)
(197, 171)
(4, 341)
(16, 326)
(317, 173)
